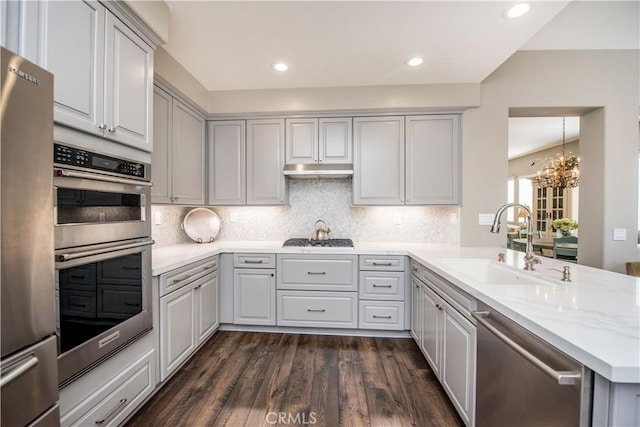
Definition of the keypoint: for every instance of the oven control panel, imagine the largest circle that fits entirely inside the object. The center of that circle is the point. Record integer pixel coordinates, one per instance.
(66, 155)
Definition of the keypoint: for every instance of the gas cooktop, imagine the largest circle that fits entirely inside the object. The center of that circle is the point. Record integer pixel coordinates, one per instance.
(331, 243)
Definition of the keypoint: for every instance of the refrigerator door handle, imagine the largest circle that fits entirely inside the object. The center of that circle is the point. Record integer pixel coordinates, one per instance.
(22, 367)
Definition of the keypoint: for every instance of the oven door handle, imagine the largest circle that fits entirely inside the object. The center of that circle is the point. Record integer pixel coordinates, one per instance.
(69, 257)
(97, 177)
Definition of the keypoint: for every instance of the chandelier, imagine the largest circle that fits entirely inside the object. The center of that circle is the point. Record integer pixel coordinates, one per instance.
(559, 172)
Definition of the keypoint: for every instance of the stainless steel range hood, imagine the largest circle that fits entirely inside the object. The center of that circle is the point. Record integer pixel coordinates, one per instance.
(301, 171)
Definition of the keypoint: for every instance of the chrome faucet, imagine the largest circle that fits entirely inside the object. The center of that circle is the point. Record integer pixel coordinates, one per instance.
(529, 258)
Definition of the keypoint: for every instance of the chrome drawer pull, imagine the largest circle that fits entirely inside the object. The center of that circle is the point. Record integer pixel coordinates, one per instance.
(316, 272)
(207, 267)
(252, 261)
(381, 286)
(24, 365)
(182, 279)
(316, 310)
(112, 412)
(381, 317)
(383, 263)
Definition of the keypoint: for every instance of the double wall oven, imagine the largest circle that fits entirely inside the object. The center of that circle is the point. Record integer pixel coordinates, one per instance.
(102, 235)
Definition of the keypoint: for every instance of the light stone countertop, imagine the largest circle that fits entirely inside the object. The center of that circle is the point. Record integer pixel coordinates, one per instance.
(595, 319)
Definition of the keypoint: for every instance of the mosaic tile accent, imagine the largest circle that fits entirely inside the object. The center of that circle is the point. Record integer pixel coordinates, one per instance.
(313, 199)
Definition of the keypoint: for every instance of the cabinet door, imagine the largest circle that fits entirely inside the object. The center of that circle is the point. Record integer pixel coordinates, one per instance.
(458, 371)
(265, 162)
(227, 163)
(433, 160)
(254, 297)
(74, 53)
(416, 311)
(161, 156)
(301, 141)
(187, 156)
(431, 328)
(378, 177)
(129, 86)
(206, 300)
(177, 329)
(335, 140)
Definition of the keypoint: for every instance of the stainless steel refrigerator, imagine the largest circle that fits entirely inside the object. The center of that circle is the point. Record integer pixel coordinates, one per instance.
(28, 364)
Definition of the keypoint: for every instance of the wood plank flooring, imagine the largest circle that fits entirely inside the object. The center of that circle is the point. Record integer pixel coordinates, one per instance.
(263, 379)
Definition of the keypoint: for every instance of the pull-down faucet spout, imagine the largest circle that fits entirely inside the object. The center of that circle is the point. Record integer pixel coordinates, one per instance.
(529, 258)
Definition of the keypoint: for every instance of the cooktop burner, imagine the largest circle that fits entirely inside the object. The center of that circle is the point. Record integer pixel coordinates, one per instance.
(332, 243)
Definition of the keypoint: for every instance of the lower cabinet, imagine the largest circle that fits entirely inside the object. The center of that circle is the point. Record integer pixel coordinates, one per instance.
(318, 309)
(188, 316)
(446, 338)
(108, 394)
(254, 289)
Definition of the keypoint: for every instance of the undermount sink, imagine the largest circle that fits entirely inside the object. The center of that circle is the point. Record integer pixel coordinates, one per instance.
(490, 272)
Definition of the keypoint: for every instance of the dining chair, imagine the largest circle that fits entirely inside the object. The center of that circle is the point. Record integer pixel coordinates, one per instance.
(523, 233)
(566, 254)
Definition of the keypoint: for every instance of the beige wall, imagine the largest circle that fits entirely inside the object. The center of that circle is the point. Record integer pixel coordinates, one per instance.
(521, 166)
(608, 146)
(155, 14)
(175, 74)
(453, 96)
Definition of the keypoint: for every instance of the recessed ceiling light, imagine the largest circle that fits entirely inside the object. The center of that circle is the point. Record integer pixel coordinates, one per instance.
(280, 66)
(517, 10)
(414, 62)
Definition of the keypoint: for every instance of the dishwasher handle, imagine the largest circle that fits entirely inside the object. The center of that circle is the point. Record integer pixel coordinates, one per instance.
(562, 377)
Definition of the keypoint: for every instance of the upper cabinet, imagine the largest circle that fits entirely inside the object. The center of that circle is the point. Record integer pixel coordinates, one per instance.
(178, 156)
(265, 161)
(324, 140)
(413, 160)
(245, 162)
(103, 70)
(433, 160)
(378, 176)
(227, 163)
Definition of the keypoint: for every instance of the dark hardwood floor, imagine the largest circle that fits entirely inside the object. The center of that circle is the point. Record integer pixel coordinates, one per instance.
(263, 379)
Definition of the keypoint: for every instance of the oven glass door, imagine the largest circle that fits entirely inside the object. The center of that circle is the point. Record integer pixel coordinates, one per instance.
(92, 208)
(103, 301)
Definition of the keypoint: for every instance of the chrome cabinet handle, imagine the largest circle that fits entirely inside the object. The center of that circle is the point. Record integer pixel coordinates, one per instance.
(253, 261)
(111, 129)
(316, 310)
(182, 279)
(439, 307)
(387, 264)
(381, 317)
(316, 272)
(381, 286)
(26, 364)
(102, 126)
(111, 412)
(562, 377)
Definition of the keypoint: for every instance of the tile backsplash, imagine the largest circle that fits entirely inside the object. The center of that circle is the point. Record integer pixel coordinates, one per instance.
(313, 199)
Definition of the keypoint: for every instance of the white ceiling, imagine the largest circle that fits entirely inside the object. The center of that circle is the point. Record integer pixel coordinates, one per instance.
(231, 45)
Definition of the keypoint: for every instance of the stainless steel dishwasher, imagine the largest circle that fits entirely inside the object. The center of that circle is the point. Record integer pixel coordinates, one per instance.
(523, 380)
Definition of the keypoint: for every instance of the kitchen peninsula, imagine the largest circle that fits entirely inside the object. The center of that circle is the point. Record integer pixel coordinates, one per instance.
(595, 319)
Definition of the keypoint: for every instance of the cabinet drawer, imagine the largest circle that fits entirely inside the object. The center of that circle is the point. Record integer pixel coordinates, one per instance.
(113, 403)
(382, 262)
(382, 285)
(175, 279)
(417, 269)
(318, 309)
(254, 260)
(320, 273)
(381, 315)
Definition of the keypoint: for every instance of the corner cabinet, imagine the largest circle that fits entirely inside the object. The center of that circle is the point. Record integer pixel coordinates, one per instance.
(178, 156)
(265, 162)
(378, 176)
(103, 70)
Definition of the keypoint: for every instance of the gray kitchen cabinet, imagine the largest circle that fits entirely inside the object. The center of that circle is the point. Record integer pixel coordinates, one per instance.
(378, 154)
(254, 289)
(227, 180)
(432, 160)
(265, 162)
(324, 140)
(103, 70)
(381, 292)
(178, 158)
